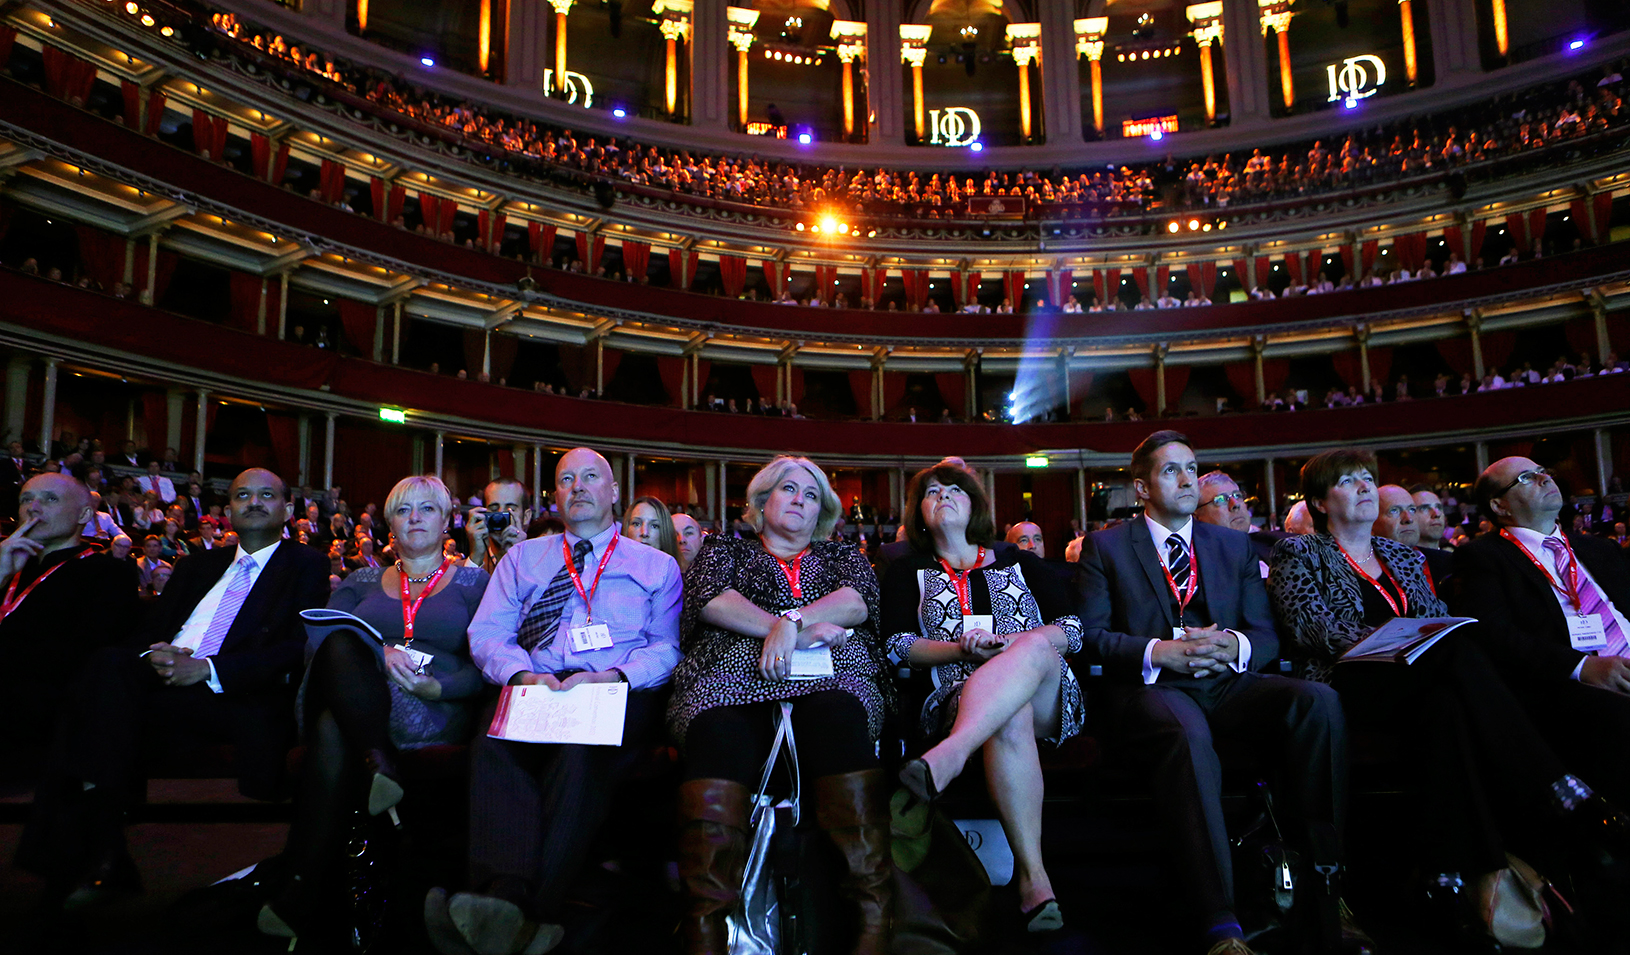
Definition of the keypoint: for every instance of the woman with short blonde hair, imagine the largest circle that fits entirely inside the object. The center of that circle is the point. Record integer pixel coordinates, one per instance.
(771, 475)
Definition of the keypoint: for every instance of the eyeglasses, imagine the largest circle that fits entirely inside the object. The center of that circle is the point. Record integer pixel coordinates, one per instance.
(1525, 478)
(1222, 500)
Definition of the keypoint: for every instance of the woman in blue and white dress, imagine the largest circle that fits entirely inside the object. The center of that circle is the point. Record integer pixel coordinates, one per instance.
(993, 625)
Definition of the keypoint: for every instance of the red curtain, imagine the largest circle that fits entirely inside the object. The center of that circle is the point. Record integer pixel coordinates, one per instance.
(777, 275)
(1315, 265)
(504, 348)
(429, 211)
(1264, 269)
(1367, 253)
(1581, 332)
(1140, 277)
(672, 372)
(203, 136)
(1143, 382)
(1060, 285)
(1241, 275)
(132, 99)
(871, 284)
(1536, 225)
(1177, 381)
(1013, 287)
(8, 37)
(260, 158)
(733, 273)
(1456, 238)
(475, 342)
(1347, 259)
(395, 198)
(763, 375)
(66, 76)
(1196, 279)
(1242, 378)
(1274, 373)
(636, 259)
(155, 112)
(1603, 206)
(1516, 227)
(1163, 279)
(101, 255)
(284, 430)
(953, 387)
(376, 191)
(894, 392)
(1346, 363)
(589, 250)
(333, 183)
(1293, 262)
(916, 282)
(1381, 363)
(358, 319)
(245, 308)
(542, 239)
(1497, 348)
(825, 277)
(167, 262)
(1099, 289)
(681, 268)
(280, 165)
(1457, 352)
(1579, 211)
(1480, 229)
(860, 382)
(1112, 285)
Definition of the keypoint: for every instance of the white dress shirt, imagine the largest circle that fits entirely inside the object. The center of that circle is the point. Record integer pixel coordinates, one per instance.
(160, 485)
(191, 633)
(1159, 534)
(1535, 542)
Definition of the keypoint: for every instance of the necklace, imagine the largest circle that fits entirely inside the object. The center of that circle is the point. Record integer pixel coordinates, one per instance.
(412, 580)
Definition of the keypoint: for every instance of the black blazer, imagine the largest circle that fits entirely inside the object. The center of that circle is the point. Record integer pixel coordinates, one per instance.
(265, 647)
(1524, 628)
(1125, 601)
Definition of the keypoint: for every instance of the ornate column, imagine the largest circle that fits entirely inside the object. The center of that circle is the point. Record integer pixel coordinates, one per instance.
(914, 50)
(709, 65)
(200, 424)
(174, 407)
(1474, 327)
(328, 449)
(1258, 345)
(525, 38)
(1089, 42)
(1406, 17)
(1207, 20)
(884, 87)
(483, 36)
(1276, 15)
(1025, 40)
(1362, 333)
(562, 7)
(18, 368)
(675, 27)
(742, 21)
(48, 407)
(1502, 39)
(1060, 73)
(282, 304)
(304, 431)
(1598, 313)
(1160, 379)
(851, 37)
(1246, 64)
(537, 479)
(441, 440)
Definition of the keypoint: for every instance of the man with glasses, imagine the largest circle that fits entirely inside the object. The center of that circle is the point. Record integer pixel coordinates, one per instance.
(1222, 503)
(1553, 604)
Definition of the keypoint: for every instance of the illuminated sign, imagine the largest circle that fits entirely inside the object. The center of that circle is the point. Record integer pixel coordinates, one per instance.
(767, 129)
(1351, 78)
(576, 83)
(955, 126)
(393, 414)
(1133, 128)
(1036, 461)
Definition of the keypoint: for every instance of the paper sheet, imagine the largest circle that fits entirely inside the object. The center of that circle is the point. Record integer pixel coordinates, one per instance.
(589, 713)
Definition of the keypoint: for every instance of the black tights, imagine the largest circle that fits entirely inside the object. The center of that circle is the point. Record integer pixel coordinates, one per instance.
(347, 713)
(732, 742)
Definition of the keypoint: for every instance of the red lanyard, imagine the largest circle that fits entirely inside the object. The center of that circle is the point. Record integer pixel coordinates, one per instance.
(577, 581)
(789, 569)
(1190, 589)
(410, 607)
(1396, 610)
(14, 599)
(959, 581)
(1571, 591)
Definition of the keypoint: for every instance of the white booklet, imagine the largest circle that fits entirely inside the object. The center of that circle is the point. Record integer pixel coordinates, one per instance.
(321, 621)
(588, 713)
(811, 663)
(1403, 639)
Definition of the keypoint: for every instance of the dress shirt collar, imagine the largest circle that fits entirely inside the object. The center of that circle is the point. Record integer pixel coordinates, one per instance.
(600, 540)
(1534, 540)
(1159, 533)
(260, 557)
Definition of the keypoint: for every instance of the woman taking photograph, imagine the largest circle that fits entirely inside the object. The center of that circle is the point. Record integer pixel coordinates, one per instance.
(992, 624)
(1462, 736)
(361, 701)
(748, 605)
(647, 520)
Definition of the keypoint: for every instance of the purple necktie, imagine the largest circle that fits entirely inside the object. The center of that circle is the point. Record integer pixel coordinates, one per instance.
(1591, 600)
(231, 602)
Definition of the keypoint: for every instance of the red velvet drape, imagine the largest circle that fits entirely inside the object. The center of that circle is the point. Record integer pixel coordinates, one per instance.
(167, 262)
(826, 276)
(1456, 238)
(1347, 259)
(376, 191)
(101, 255)
(681, 268)
(1163, 279)
(763, 375)
(155, 112)
(1497, 348)
(1143, 382)
(860, 382)
(1274, 373)
(333, 182)
(1480, 229)
(132, 104)
(916, 282)
(1457, 352)
(733, 273)
(1140, 277)
(776, 275)
(66, 76)
(953, 386)
(1293, 262)
(894, 393)
(636, 259)
(1516, 227)
(245, 302)
(1061, 282)
(358, 319)
(284, 430)
(260, 158)
(280, 165)
(1013, 287)
(1242, 378)
(8, 38)
(1367, 253)
(1264, 269)
(589, 251)
(1112, 285)
(1602, 204)
(871, 284)
(672, 372)
(1381, 363)
(1536, 225)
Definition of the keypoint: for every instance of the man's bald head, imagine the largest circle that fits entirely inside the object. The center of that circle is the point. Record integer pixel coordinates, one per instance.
(1027, 535)
(1299, 520)
(586, 491)
(1517, 492)
(58, 505)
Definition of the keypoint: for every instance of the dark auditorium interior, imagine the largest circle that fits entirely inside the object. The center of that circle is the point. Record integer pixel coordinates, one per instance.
(350, 241)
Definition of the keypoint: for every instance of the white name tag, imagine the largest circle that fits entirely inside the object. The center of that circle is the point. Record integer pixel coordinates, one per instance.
(1586, 633)
(595, 636)
(421, 660)
(1179, 633)
(979, 621)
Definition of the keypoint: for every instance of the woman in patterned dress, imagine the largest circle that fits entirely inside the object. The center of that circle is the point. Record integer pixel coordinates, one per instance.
(993, 624)
(748, 605)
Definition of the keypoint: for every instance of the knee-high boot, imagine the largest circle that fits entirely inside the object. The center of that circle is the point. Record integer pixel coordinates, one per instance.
(853, 810)
(712, 856)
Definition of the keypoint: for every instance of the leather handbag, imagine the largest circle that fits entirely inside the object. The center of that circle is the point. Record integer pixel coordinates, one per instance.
(755, 925)
(1517, 914)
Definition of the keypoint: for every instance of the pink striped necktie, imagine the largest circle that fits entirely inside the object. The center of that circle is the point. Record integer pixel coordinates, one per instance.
(1591, 600)
(231, 602)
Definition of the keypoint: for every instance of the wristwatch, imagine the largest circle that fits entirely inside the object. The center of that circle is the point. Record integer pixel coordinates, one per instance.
(793, 615)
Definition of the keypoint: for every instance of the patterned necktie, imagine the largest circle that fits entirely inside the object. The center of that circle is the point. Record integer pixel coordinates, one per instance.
(538, 629)
(1177, 561)
(1591, 600)
(231, 602)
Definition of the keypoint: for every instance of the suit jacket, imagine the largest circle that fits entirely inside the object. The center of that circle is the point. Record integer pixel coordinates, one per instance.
(888, 554)
(11, 473)
(1125, 601)
(1524, 628)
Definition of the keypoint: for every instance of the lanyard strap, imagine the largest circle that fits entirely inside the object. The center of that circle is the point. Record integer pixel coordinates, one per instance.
(1397, 611)
(14, 599)
(1568, 588)
(789, 570)
(959, 581)
(410, 606)
(577, 580)
(1189, 589)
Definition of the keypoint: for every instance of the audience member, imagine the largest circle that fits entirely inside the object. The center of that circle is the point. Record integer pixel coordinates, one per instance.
(687, 539)
(505, 496)
(749, 604)
(157, 484)
(1026, 536)
(647, 520)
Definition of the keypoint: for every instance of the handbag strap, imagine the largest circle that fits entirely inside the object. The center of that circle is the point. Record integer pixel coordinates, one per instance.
(783, 740)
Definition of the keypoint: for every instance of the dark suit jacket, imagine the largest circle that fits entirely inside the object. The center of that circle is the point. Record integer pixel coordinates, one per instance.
(1440, 567)
(1125, 601)
(888, 554)
(1524, 628)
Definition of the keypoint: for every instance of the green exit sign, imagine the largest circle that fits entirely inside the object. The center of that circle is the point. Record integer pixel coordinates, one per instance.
(395, 415)
(1036, 461)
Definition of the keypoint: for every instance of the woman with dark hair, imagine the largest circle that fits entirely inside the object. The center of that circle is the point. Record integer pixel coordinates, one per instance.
(992, 625)
(1468, 744)
(749, 604)
(647, 520)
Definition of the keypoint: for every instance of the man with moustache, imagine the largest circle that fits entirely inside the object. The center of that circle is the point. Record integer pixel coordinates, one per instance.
(49, 576)
(217, 661)
(1176, 612)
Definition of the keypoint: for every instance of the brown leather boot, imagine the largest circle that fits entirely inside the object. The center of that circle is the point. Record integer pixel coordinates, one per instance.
(712, 855)
(853, 809)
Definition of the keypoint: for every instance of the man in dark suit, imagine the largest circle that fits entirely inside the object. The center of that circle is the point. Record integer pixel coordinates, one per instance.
(1175, 611)
(1552, 605)
(217, 661)
(13, 472)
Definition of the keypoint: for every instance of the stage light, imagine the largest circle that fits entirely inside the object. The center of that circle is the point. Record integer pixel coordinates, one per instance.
(1120, 57)
(394, 415)
(1145, 54)
(977, 146)
(872, 234)
(426, 61)
(167, 31)
(619, 112)
(1350, 103)
(146, 19)
(1206, 227)
(828, 223)
(804, 139)
(131, 8)
(1576, 45)
(843, 228)
(1172, 227)
(778, 54)
(1157, 134)
(815, 229)
(1194, 225)
(800, 227)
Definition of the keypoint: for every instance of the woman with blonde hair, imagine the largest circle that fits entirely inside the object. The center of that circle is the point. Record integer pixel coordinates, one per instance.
(749, 604)
(647, 520)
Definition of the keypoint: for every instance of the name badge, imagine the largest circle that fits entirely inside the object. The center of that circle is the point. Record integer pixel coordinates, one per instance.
(595, 636)
(1586, 632)
(979, 621)
(1179, 633)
